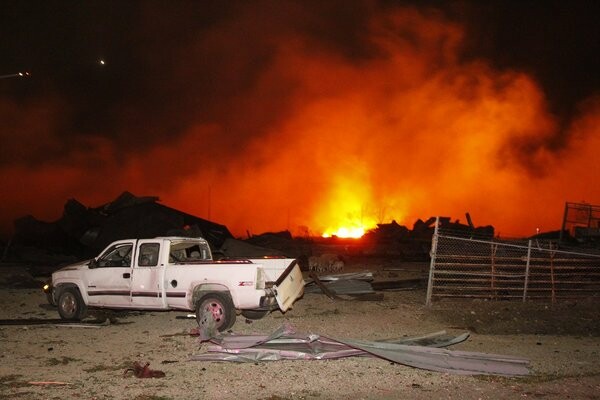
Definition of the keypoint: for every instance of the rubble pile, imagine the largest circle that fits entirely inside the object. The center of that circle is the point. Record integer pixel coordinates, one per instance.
(82, 232)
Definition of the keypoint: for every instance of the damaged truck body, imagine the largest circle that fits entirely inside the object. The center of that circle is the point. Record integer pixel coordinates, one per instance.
(176, 273)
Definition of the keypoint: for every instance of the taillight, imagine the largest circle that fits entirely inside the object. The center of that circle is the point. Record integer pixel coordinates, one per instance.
(260, 278)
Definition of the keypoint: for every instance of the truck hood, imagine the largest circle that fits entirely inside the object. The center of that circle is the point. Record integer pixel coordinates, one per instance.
(74, 267)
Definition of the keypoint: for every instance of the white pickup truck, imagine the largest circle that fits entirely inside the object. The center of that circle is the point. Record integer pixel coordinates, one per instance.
(176, 273)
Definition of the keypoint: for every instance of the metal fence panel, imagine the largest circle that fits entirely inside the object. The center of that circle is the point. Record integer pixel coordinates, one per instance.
(488, 268)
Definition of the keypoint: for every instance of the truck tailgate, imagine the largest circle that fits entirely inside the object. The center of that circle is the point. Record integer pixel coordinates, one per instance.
(289, 286)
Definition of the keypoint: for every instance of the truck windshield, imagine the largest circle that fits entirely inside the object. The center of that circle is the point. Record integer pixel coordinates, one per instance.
(117, 256)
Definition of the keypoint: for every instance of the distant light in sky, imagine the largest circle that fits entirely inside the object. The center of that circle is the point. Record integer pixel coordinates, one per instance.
(102, 62)
(18, 74)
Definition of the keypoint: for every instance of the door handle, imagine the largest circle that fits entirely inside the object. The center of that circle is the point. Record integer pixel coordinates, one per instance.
(126, 275)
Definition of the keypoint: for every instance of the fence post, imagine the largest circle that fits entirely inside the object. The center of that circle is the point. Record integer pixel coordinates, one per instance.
(552, 275)
(494, 293)
(527, 271)
(432, 254)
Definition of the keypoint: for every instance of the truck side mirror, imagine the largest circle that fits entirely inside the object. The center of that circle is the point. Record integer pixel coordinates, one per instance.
(93, 263)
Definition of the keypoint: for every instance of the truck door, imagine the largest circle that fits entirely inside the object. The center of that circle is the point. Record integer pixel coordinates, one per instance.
(109, 280)
(146, 282)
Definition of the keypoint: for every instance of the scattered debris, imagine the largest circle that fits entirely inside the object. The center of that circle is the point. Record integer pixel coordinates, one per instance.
(404, 284)
(334, 288)
(48, 383)
(420, 352)
(325, 263)
(56, 322)
(187, 316)
(192, 332)
(143, 371)
(89, 326)
(320, 285)
(357, 276)
(356, 283)
(343, 284)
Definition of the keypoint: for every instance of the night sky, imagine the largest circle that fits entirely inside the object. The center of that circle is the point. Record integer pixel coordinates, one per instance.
(302, 115)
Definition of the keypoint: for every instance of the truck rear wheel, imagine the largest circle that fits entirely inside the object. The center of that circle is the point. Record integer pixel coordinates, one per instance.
(219, 308)
(70, 304)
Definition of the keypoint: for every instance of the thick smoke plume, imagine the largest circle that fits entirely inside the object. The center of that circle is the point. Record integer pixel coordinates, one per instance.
(261, 122)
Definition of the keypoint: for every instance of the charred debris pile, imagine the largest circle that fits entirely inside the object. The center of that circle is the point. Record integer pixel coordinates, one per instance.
(83, 232)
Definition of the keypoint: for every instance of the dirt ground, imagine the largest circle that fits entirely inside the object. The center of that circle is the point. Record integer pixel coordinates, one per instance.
(562, 342)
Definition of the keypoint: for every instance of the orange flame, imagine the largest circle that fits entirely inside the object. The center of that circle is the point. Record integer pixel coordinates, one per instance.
(344, 232)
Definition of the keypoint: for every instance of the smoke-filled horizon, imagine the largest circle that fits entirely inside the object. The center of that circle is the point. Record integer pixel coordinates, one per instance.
(266, 116)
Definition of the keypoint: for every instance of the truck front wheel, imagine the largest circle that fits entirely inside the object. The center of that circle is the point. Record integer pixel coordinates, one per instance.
(215, 308)
(70, 304)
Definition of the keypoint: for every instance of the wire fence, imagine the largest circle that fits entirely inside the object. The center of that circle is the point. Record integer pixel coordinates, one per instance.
(488, 268)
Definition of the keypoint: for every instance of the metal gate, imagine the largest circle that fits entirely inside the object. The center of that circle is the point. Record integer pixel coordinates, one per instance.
(489, 268)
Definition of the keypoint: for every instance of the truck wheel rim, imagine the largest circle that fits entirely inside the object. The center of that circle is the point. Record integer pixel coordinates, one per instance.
(216, 311)
(68, 304)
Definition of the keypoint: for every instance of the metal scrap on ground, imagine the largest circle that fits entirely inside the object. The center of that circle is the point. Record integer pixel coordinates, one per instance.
(361, 276)
(355, 284)
(423, 352)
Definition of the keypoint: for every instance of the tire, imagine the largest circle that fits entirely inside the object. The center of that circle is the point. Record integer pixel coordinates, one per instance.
(255, 314)
(70, 304)
(219, 306)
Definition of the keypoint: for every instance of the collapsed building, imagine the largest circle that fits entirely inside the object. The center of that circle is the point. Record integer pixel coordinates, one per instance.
(82, 231)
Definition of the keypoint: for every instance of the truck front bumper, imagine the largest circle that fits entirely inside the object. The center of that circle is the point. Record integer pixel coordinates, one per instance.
(49, 290)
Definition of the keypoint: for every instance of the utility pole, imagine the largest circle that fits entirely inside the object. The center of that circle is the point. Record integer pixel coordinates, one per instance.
(208, 206)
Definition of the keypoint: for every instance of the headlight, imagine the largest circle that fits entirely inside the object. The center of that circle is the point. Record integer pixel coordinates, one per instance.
(47, 288)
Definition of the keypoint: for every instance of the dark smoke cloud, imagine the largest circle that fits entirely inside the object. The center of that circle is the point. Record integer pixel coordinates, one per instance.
(555, 41)
(174, 64)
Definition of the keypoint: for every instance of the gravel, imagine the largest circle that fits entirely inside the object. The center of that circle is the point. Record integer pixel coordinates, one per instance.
(562, 342)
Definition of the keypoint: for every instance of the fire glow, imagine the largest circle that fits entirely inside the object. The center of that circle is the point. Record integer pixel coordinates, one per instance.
(337, 146)
(343, 232)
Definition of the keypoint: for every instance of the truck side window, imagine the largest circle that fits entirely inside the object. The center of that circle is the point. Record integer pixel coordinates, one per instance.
(148, 255)
(197, 253)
